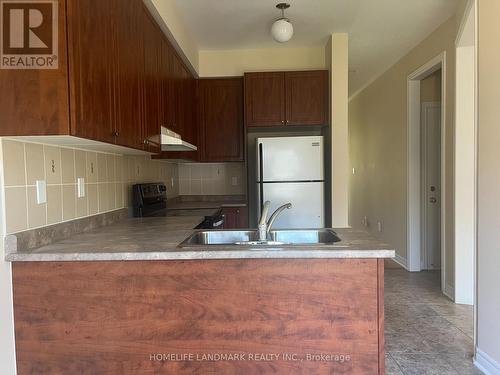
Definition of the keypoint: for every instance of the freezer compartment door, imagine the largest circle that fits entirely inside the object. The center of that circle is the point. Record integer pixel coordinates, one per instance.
(307, 200)
(291, 158)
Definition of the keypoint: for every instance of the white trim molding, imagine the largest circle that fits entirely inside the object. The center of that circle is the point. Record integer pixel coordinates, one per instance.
(401, 261)
(414, 214)
(449, 291)
(485, 363)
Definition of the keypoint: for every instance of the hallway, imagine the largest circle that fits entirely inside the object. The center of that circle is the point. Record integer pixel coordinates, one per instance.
(425, 333)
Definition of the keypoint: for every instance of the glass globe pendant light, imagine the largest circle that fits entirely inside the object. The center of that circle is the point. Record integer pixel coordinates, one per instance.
(282, 29)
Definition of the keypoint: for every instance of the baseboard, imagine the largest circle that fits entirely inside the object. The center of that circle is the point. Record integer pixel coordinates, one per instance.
(401, 261)
(485, 363)
(449, 291)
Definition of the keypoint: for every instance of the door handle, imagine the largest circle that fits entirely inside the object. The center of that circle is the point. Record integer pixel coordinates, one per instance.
(432, 200)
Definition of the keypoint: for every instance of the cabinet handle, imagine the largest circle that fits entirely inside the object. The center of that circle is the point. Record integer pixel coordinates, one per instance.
(282, 121)
(116, 134)
(146, 142)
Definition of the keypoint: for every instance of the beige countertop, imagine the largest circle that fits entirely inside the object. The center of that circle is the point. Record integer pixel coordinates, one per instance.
(158, 239)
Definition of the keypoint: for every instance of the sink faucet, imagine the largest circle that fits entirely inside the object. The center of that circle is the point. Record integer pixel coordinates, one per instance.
(263, 221)
(264, 225)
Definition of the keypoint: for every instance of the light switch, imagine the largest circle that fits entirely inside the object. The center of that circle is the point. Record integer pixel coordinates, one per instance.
(41, 192)
(81, 187)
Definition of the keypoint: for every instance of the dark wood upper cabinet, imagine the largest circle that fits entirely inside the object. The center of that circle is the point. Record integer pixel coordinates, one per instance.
(166, 95)
(221, 119)
(119, 79)
(35, 102)
(286, 98)
(190, 125)
(306, 98)
(151, 82)
(181, 108)
(105, 49)
(128, 63)
(91, 69)
(265, 99)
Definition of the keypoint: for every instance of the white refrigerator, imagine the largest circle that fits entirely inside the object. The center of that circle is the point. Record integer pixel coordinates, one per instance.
(291, 169)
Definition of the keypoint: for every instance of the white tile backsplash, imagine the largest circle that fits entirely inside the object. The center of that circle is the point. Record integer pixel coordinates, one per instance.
(212, 179)
(108, 182)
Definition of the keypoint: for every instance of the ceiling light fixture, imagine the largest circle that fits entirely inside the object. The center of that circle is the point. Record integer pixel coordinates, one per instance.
(282, 29)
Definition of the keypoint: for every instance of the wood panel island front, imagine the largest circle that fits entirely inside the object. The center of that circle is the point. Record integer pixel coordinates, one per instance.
(160, 314)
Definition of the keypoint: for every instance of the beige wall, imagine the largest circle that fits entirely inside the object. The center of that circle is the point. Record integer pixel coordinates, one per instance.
(378, 146)
(430, 88)
(108, 179)
(237, 61)
(212, 179)
(488, 246)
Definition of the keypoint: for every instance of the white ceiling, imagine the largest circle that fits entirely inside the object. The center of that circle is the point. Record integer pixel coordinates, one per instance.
(380, 31)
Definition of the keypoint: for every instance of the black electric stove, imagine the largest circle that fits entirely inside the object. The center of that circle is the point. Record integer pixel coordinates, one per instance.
(150, 200)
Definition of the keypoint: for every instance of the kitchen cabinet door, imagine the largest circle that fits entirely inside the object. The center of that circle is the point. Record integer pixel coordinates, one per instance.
(165, 96)
(265, 99)
(91, 69)
(151, 82)
(127, 54)
(190, 126)
(179, 94)
(35, 102)
(182, 109)
(306, 98)
(235, 217)
(170, 87)
(221, 119)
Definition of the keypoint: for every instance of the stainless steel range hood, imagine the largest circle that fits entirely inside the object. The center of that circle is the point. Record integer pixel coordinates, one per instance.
(171, 141)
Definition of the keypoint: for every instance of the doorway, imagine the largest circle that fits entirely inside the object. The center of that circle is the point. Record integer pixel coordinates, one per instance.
(426, 207)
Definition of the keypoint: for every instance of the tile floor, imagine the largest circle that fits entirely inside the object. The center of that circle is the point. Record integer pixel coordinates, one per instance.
(425, 332)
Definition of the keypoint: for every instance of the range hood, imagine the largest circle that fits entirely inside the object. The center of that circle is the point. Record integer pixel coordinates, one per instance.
(171, 141)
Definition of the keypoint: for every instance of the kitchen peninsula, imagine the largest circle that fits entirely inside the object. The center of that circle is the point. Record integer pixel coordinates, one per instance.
(125, 298)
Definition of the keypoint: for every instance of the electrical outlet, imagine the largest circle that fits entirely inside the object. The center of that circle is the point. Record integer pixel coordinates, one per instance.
(234, 181)
(364, 221)
(41, 192)
(81, 187)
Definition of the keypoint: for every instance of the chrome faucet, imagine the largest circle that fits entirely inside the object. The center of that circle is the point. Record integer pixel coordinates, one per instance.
(263, 221)
(265, 225)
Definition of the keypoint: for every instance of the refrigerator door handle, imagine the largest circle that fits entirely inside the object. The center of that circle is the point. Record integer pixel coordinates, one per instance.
(261, 175)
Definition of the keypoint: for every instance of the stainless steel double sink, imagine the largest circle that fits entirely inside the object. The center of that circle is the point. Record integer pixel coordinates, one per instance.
(251, 237)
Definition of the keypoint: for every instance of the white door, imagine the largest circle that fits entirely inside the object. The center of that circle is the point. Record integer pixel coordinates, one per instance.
(291, 158)
(307, 204)
(431, 173)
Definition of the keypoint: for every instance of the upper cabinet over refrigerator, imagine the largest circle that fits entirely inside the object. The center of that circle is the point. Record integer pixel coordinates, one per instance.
(286, 98)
